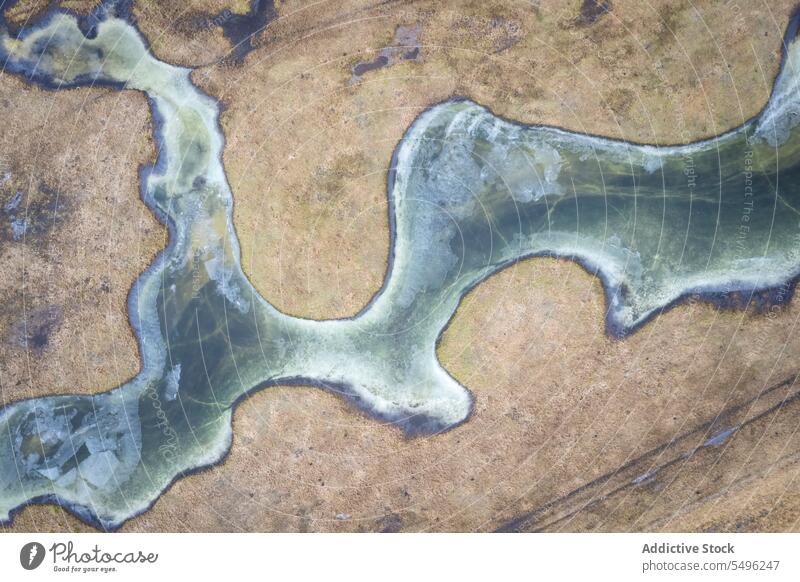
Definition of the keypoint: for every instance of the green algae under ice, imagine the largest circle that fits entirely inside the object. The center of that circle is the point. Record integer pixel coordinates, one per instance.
(469, 192)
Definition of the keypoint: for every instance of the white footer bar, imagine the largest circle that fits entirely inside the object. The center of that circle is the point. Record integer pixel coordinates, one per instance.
(400, 557)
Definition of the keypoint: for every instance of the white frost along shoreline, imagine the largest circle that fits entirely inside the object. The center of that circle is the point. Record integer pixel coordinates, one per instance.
(385, 357)
(648, 292)
(118, 448)
(782, 113)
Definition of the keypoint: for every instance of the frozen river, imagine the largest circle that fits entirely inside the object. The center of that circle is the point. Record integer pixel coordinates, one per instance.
(469, 193)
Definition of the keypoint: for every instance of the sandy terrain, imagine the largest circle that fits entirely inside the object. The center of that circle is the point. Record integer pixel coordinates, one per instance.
(74, 237)
(566, 419)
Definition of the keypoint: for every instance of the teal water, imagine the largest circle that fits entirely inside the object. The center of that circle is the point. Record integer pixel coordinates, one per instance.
(469, 194)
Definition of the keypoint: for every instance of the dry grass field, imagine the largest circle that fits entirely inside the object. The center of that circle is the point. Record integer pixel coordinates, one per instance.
(690, 424)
